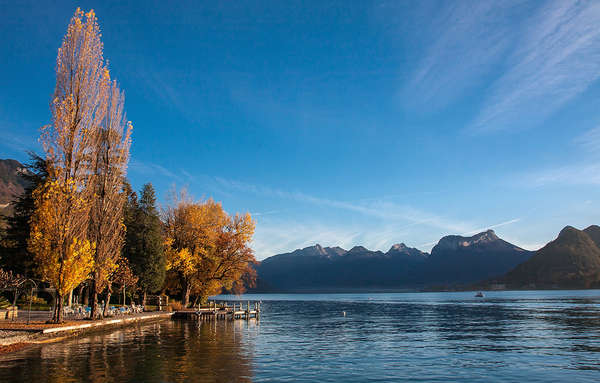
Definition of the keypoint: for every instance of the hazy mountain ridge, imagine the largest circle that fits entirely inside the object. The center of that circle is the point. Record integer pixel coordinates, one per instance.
(11, 184)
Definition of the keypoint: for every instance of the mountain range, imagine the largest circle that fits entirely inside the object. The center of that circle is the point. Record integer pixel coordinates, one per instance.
(455, 260)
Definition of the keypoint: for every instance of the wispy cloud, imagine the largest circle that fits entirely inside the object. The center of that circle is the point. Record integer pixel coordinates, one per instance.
(283, 236)
(263, 213)
(590, 140)
(464, 40)
(277, 233)
(509, 222)
(149, 168)
(583, 171)
(18, 143)
(555, 60)
(393, 223)
(375, 208)
(526, 59)
(575, 174)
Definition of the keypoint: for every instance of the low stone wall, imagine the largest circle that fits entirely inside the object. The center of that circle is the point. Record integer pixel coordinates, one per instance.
(34, 334)
(106, 322)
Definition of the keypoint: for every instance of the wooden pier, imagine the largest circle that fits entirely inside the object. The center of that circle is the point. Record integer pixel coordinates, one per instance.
(217, 311)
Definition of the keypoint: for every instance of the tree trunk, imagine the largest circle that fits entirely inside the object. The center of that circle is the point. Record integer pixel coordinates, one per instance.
(80, 294)
(15, 299)
(144, 298)
(58, 309)
(195, 301)
(186, 295)
(85, 299)
(106, 306)
(70, 298)
(94, 313)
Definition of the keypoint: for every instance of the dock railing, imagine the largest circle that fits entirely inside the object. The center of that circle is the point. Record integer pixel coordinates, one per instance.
(223, 310)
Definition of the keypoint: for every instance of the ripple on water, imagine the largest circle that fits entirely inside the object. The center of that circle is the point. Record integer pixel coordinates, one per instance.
(509, 336)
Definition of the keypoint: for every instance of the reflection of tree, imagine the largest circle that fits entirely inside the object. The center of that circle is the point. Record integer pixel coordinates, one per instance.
(161, 352)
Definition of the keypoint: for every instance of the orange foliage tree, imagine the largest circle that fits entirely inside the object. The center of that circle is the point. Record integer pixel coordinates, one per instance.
(207, 250)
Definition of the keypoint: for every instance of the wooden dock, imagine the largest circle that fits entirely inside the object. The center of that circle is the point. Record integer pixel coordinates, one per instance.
(216, 311)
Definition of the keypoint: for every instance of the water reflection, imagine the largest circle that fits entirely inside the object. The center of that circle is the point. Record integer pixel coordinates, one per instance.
(524, 336)
(168, 351)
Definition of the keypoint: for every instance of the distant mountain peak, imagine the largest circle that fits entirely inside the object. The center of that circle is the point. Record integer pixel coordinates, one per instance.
(568, 230)
(489, 235)
(403, 250)
(358, 249)
(398, 247)
(319, 251)
(336, 250)
(484, 240)
(311, 251)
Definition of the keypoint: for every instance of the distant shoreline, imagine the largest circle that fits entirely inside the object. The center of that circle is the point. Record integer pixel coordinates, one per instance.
(412, 291)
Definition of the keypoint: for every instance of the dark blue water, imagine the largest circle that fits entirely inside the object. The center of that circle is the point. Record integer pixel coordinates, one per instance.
(504, 337)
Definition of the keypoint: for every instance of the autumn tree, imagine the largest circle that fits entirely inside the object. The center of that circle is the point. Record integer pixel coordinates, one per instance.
(110, 157)
(87, 148)
(64, 257)
(228, 264)
(144, 243)
(207, 250)
(59, 232)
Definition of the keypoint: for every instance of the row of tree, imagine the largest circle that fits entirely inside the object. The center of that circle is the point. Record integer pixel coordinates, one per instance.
(79, 220)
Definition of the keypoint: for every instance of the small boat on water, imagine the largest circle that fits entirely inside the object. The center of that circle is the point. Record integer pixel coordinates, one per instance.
(479, 295)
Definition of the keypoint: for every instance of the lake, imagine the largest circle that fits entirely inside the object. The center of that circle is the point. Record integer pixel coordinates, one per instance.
(534, 336)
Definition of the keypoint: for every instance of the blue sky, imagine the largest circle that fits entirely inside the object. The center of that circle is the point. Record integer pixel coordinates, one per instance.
(342, 122)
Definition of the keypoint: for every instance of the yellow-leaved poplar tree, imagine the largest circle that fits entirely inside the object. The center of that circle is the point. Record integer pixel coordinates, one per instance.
(63, 256)
(111, 154)
(79, 109)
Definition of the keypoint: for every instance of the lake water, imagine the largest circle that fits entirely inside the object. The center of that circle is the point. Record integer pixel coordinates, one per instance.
(535, 336)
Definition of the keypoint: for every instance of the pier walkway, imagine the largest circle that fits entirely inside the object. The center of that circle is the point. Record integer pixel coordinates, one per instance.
(223, 310)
